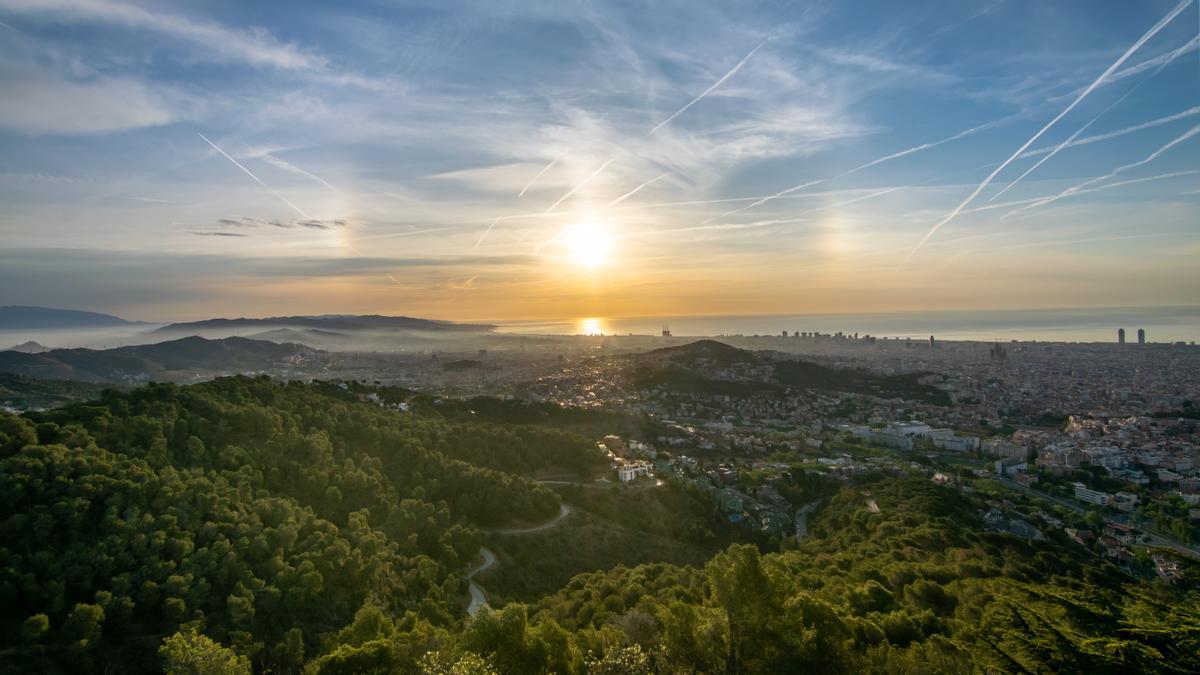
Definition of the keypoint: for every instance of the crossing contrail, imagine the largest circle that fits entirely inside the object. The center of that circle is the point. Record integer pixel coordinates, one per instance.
(1103, 76)
(256, 178)
(732, 71)
(1075, 189)
(1194, 110)
(1066, 143)
(874, 162)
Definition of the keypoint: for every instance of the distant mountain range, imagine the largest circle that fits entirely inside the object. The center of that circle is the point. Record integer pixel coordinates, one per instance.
(14, 318)
(329, 322)
(175, 359)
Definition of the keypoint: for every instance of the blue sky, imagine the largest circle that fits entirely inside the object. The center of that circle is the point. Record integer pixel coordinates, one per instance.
(504, 160)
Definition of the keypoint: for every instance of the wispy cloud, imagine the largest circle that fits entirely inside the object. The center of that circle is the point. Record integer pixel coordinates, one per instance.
(308, 223)
(1103, 76)
(255, 47)
(219, 234)
(44, 102)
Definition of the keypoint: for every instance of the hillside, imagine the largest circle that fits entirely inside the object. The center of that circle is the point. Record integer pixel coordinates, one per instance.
(26, 393)
(271, 515)
(20, 318)
(712, 367)
(332, 322)
(302, 527)
(29, 347)
(164, 360)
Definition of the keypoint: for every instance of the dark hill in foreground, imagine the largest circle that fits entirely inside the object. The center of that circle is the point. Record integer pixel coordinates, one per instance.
(299, 528)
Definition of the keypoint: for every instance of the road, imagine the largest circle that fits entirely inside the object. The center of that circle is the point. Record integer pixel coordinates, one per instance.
(564, 510)
(478, 596)
(1156, 539)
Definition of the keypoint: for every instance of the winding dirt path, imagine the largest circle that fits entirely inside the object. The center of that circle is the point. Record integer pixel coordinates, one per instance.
(478, 595)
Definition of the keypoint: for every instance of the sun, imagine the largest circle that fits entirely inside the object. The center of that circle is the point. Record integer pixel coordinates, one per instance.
(591, 326)
(589, 244)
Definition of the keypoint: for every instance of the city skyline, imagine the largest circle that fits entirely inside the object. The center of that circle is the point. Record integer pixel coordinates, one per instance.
(174, 162)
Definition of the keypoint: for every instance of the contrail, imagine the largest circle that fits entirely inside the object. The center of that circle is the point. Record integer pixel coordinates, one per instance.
(256, 178)
(1090, 122)
(288, 166)
(881, 160)
(486, 233)
(552, 207)
(1194, 110)
(1103, 76)
(582, 183)
(721, 226)
(1160, 59)
(724, 78)
(923, 146)
(539, 175)
(764, 200)
(1120, 169)
(634, 191)
(1108, 186)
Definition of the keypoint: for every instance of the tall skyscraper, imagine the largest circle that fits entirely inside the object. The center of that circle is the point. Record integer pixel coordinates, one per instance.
(1120, 336)
(1141, 336)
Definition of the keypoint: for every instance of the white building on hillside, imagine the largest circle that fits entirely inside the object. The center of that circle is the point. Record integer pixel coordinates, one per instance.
(633, 471)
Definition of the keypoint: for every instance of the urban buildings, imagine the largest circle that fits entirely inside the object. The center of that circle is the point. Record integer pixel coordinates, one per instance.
(1085, 494)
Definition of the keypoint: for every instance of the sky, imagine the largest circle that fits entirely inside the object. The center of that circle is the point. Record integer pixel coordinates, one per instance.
(539, 160)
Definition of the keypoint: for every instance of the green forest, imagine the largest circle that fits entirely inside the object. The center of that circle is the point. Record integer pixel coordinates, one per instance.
(246, 525)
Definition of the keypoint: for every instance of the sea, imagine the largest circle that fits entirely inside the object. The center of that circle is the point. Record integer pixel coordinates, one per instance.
(1162, 324)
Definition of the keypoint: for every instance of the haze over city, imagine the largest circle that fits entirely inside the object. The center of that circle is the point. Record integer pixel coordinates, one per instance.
(526, 161)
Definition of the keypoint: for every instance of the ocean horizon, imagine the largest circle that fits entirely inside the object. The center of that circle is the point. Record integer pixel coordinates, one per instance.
(1162, 324)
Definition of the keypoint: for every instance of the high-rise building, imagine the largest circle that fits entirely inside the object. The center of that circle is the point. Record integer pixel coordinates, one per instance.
(1141, 336)
(1120, 336)
(997, 353)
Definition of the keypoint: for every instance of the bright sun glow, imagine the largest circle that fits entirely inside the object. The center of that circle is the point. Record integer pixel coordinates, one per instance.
(589, 244)
(591, 327)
